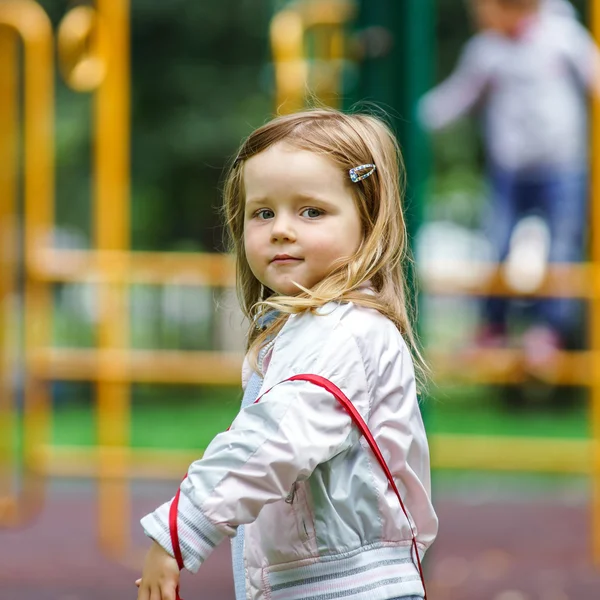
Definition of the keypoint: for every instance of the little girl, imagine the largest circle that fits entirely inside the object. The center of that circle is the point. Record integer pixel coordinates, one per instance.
(313, 205)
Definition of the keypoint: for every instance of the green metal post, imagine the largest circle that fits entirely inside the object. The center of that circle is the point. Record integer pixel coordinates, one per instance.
(397, 80)
(395, 77)
(418, 44)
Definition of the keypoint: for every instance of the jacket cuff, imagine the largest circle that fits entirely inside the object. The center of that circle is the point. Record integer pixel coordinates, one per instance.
(197, 535)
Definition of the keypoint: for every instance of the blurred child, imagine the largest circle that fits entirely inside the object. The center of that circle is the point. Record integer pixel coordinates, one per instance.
(313, 204)
(528, 70)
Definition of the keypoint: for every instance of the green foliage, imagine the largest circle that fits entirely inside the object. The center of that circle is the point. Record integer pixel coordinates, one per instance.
(198, 87)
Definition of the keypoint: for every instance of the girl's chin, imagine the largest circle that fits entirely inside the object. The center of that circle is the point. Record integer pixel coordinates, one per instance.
(287, 289)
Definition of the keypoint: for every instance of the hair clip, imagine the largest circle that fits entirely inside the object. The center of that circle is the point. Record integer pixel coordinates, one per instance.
(361, 172)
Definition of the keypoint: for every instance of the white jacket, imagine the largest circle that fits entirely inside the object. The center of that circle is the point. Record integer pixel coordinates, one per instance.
(321, 520)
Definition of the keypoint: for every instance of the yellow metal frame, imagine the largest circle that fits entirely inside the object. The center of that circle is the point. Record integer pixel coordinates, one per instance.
(111, 218)
(26, 19)
(112, 365)
(8, 120)
(82, 65)
(296, 78)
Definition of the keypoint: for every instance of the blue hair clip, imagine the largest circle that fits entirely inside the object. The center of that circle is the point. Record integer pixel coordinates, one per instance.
(361, 172)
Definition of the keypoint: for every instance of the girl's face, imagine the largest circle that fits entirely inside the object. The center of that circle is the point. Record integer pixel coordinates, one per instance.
(300, 217)
(496, 16)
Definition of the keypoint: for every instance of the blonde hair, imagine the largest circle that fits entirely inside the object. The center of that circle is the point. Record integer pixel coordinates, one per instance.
(348, 140)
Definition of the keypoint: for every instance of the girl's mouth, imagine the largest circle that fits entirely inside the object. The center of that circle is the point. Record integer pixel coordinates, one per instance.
(285, 259)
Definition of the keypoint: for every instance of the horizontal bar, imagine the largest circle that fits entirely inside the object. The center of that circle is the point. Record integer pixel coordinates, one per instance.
(511, 453)
(485, 366)
(158, 268)
(488, 453)
(470, 278)
(218, 270)
(507, 366)
(148, 366)
(95, 461)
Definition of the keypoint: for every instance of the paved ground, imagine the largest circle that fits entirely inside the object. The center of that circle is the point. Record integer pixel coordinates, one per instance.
(500, 539)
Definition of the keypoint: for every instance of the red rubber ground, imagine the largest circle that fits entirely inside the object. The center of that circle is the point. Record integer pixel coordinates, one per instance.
(494, 544)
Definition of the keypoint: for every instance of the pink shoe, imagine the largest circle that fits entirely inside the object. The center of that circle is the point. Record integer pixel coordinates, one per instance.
(541, 347)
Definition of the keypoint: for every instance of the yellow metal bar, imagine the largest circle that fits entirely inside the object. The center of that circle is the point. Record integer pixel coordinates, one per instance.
(468, 278)
(511, 453)
(291, 67)
(29, 20)
(595, 305)
(112, 266)
(111, 210)
(81, 65)
(492, 366)
(38, 152)
(8, 206)
(488, 453)
(297, 75)
(504, 365)
(157, 366)
(132, 463)
(218, 270)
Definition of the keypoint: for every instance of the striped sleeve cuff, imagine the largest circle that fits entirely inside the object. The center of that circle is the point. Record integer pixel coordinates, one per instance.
(197, 535)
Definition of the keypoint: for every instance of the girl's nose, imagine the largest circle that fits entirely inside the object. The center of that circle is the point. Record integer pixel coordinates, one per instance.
(282, 230)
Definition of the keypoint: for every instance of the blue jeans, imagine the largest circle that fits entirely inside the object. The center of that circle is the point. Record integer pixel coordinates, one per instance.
(560, 198)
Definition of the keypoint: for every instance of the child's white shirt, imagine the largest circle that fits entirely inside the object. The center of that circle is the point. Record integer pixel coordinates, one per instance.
(532, 91)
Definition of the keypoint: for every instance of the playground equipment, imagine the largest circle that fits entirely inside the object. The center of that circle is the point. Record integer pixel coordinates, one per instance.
(322, 27)
(28, 21)
(313, 49)
(84, 51)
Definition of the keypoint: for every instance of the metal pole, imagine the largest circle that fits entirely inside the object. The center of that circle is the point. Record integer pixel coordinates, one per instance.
(112, 232)
(594, 311)
(30, 21)
(396, 80)
(8, 250)
(417, 22)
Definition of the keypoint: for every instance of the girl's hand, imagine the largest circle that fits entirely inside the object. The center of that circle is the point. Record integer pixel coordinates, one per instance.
(160, 575)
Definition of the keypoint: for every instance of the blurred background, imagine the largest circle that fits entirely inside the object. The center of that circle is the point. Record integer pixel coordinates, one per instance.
(120, 338)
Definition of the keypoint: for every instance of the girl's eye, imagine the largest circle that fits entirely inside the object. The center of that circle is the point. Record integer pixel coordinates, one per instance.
(265, 213)
(312, 213)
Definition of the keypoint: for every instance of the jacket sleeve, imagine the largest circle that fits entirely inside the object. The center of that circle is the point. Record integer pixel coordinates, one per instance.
(460, 92)
(271, 444)
(583, 56)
